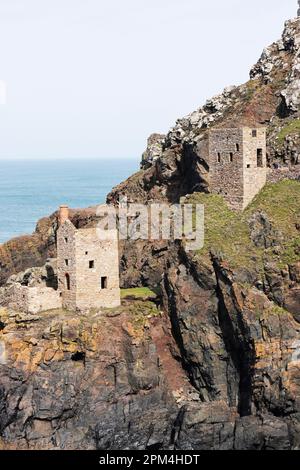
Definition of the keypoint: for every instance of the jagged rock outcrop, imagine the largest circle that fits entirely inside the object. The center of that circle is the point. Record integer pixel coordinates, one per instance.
(275, 56)
(66, 385)
(270, 98)
(153, 151)
(222, 372)
(241, 352)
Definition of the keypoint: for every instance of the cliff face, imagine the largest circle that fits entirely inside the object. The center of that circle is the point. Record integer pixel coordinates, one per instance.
(221, 371)
(66, 385)
(217, 366)
(271, 98)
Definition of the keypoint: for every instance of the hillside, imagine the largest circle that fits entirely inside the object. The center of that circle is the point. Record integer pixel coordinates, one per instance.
(215, 363)
(177, 164)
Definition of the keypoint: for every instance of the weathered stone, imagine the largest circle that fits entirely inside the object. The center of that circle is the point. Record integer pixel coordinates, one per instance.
(154, 150)
(237, 161)
(87, 267)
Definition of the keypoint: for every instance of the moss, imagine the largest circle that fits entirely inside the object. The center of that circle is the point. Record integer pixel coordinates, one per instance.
(273, 310)
(280, 201)
(276, 310)
(140, 313)
(227, 232)
(138, 293)
(291, 253)
(292, 128)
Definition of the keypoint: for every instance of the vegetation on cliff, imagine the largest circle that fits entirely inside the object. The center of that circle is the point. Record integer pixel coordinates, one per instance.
(228, 233)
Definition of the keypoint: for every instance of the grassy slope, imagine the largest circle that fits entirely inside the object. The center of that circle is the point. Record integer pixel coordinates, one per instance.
(137, 293)
(292, 128)
(227, 232)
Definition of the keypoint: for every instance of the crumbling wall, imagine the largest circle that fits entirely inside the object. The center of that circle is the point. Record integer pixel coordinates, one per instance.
(29, 299)
(40, 299)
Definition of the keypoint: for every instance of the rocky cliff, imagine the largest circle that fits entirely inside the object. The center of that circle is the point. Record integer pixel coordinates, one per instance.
(271, 98)
(217, 364)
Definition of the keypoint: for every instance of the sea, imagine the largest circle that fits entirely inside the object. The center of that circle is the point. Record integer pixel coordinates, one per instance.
(32, 189)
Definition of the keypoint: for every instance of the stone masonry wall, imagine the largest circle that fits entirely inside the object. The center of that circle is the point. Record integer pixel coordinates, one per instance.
(226, 165)
(105, 258)
(66, 251)
(15, 297)
(31, 299)
(87, 259)
(254, 177)
(41, 299)
(233, 162)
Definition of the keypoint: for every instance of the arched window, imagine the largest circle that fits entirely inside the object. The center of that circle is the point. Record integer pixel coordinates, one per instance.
(68, 283)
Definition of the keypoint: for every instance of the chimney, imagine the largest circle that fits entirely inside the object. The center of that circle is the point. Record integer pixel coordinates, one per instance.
(63, 214)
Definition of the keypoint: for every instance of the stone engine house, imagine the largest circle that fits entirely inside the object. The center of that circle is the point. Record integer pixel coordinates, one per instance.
(85, 274)
(87, 266)
(237, 164)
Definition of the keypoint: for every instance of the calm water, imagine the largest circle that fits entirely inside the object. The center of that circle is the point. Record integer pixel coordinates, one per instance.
(32, 189)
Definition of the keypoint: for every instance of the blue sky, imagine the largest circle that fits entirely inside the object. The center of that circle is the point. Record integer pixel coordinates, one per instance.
(93, 78)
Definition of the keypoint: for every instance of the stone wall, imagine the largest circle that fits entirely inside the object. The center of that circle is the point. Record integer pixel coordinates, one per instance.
(30, 299)
(226, 164)
(41, 299)
(105, 258)
(233, 164)
(66, 251)
(86, 260)
(255, 177)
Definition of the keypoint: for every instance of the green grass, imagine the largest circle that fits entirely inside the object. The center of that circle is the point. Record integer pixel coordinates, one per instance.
(138, 293)
(292, 128)
(272, 310)
(224, 232)
(276, 310)
(227, 232)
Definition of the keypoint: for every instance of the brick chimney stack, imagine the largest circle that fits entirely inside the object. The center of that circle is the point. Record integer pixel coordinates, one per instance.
(63, 214)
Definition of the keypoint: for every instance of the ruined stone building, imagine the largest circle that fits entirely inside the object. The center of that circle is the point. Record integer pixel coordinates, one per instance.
(85, 274)
(87, 266)
(237, 164)
(32, 291)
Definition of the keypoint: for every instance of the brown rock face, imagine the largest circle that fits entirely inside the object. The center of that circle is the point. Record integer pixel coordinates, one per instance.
(239, 349)
(218, 370)
(66, 385)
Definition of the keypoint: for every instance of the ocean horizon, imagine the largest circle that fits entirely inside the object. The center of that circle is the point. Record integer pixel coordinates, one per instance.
(32, 189)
